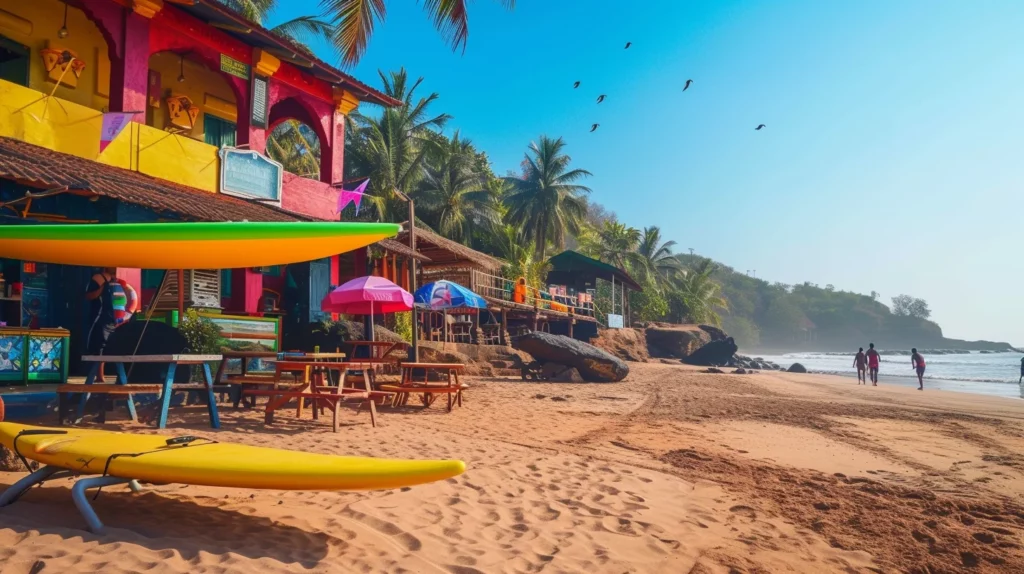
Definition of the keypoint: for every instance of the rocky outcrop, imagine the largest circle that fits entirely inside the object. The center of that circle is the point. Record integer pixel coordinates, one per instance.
(675, 341)
(797, 368)
(713, 354)
(594, 365)
(716, 333)
(626, 344)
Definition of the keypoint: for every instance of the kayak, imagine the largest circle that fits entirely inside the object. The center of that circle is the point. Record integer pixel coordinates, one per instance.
(204, 245)
(165, 460)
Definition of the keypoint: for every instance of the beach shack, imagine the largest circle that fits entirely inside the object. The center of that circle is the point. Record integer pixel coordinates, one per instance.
(143, 111)
(577, 275)
(513, 306)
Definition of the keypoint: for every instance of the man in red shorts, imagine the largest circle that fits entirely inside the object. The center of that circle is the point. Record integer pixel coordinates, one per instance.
(873, 359)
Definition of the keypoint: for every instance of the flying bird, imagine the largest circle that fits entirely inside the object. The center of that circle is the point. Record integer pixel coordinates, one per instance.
(628, 44)
(600, 98)
(575, 85)
(594, 127)
(688, 82)
(758, 128)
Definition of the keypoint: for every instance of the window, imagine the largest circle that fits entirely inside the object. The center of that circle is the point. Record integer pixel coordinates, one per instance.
(218, 132)
(14, 62)
(225, 282)
(151, 278)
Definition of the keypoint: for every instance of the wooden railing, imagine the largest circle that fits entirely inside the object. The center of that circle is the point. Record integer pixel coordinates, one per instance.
(502, 289)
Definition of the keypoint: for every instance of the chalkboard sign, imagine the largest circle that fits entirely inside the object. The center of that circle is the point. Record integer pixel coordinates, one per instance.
(260, 99)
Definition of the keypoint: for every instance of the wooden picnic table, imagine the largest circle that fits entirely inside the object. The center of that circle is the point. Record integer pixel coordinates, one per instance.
(450, 385)
(312, 381)
(375, 351)
(166, 389)
(245, 357)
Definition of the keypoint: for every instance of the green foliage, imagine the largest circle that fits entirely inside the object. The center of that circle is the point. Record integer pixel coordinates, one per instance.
(907, 306)
(403, 325)
(201, 334)
(454, 192)
(295, 146)
(648, 304)
(545, 201)
(697, 297)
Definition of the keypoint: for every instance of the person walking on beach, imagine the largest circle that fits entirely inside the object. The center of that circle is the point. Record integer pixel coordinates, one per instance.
(873, 359)
(1021, 379)
(918, 363)
(861, 362)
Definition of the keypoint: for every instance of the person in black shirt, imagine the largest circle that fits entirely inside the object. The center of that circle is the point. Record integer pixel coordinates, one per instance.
(101, 321)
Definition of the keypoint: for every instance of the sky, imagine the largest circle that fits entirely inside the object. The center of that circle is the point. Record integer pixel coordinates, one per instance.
(891, 161)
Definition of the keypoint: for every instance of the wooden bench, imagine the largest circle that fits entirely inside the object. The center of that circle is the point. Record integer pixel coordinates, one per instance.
(279, 398)
(237, 386)
(109, 391)
(428, 391)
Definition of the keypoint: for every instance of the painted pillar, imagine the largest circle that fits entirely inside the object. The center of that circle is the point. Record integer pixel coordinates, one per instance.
(263, 64)
(246, 290)
(332, 155)
(133, 277)
(126, 31)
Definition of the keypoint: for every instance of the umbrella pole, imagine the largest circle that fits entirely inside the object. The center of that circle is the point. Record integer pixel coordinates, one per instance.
(444, 320)
(373, 337)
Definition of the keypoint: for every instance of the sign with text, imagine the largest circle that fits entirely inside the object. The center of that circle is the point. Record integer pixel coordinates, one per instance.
(229, 65)
(246, 173)
(260, 99)
(614, 321)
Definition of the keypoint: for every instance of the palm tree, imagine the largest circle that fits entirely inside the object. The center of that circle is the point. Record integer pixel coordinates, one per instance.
(295, 146)
(300, 30)
(698, 297)
(453, 192)
(617, 244)
(659, 261)
(355, 20)
(512, 247)
(545, 202)
(391, 149)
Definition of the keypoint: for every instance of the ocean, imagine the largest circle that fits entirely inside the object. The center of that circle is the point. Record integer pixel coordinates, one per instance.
(981, 373)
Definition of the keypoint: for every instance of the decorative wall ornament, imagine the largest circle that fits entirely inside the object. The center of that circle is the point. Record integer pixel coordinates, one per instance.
(182, 112)
(62, 66)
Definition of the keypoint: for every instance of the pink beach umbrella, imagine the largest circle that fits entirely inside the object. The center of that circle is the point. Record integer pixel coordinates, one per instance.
(367, 296)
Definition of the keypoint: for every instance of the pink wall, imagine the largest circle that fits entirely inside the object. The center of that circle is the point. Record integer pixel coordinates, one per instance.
(309, 197)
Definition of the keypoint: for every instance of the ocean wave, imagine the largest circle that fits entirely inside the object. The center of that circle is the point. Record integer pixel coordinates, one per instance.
(883, 375)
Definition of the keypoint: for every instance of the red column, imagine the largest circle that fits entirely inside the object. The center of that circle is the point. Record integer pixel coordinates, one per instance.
(332, 155)
(246, 290)
(127, 36)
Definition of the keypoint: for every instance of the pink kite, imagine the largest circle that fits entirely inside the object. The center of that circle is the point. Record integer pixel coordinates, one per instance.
(349, 196)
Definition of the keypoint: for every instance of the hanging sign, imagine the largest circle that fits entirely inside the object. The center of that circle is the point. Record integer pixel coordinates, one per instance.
(250, 174)
(614, 321)
(231, 66)
(260, 98)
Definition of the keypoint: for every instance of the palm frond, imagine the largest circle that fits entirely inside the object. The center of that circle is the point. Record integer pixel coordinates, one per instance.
(306, 29)
(354, 21)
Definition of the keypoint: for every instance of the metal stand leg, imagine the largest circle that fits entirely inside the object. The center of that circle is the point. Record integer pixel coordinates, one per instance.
(165, 399)
(15, 491)
(135, 486)
(78, 494)
(211, 404)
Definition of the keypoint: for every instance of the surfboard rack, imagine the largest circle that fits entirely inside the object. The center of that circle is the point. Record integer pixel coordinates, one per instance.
(78, 491)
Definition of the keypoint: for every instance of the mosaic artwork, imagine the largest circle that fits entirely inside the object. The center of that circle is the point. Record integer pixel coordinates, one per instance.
(12, 353)
(45, 355)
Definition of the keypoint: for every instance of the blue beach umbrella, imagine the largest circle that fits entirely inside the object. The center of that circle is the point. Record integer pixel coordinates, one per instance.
(441, 295)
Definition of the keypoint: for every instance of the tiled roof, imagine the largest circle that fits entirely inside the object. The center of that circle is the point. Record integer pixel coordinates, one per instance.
(42, 168)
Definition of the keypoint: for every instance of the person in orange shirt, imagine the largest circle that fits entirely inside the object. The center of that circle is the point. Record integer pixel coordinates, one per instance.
(873, 360)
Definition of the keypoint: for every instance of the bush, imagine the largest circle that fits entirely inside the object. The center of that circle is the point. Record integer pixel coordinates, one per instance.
(403, 325)
(202, 335)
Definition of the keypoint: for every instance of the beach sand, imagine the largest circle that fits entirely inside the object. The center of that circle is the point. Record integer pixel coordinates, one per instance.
(672, 470)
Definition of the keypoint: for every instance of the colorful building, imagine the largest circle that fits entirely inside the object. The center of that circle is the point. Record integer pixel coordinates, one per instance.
(185, 96)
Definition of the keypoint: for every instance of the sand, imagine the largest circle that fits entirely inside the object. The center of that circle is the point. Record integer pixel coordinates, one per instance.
(670, 471)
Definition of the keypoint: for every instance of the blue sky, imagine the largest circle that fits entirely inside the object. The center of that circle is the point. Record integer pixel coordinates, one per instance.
(891, 161)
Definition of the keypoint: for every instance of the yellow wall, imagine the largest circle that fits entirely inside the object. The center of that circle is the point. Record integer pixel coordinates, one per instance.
(204, 87)
(44, 19)
(66, 127)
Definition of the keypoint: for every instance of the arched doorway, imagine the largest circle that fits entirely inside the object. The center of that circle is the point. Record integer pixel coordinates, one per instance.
(296, 139)
(296, 146)
(187, 97)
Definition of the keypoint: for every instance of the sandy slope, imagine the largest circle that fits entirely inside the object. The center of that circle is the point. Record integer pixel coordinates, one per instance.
(671, 471)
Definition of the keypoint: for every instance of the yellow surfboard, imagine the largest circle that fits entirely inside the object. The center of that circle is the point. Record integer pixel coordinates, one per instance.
(149, 458)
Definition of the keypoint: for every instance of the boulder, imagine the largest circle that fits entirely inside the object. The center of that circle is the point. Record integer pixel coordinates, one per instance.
(714, 371)
(716, 333)
(594, 365)
(675, 341)
(797, 368)
(740, 371)
(626, 344)
(560, 373)
(713, 354)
